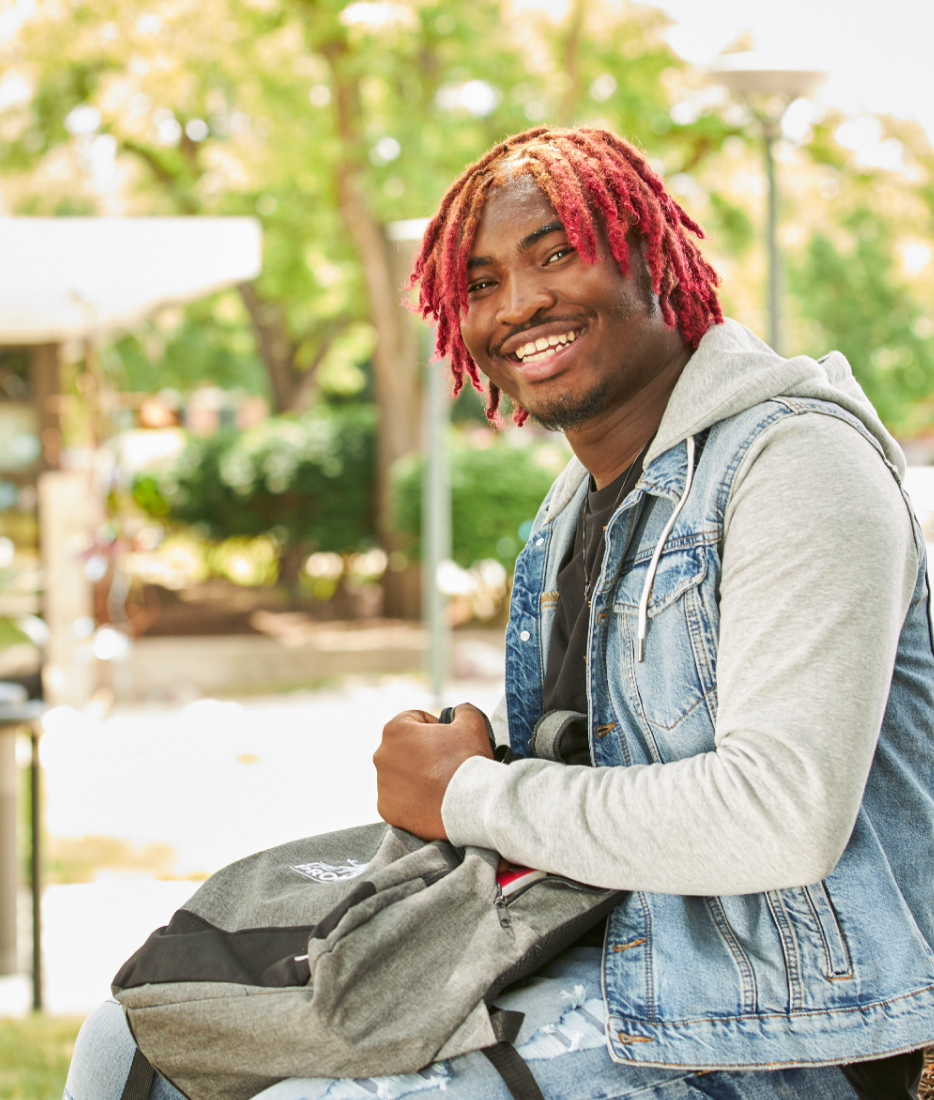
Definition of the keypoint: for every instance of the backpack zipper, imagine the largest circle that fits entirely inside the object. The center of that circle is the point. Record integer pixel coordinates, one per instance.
(507, 899)
(502, 910)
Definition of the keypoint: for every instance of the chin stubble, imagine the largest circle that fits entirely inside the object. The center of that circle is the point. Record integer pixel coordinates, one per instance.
(571, 411)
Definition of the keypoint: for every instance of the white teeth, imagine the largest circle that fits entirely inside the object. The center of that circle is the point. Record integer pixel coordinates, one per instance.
(538, 355)
(536, 349)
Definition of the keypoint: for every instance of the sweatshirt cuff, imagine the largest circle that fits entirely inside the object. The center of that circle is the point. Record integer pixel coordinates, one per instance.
(469, 801)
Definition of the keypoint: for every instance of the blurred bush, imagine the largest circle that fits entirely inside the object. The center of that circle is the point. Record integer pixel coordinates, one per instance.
(496, 490)
(307, 481)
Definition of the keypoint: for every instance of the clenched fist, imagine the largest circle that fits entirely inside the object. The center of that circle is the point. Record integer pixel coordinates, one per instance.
(415, 761)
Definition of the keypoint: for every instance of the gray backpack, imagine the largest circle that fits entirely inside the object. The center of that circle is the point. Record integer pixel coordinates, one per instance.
(359, 953)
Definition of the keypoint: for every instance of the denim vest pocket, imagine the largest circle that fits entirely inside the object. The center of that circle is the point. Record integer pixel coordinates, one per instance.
(812, 942)
(839, 965)
(680, 613)
(679, 569)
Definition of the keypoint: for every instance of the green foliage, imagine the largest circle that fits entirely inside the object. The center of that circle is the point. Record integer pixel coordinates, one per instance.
(306, 480)
(209, 341)
(730, 224)
(10, 633)
(495, 493)
(34, 1056)
(850, 294)
(340, 116)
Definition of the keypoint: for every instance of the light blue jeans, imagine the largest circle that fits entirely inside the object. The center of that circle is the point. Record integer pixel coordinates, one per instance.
(561, 1039)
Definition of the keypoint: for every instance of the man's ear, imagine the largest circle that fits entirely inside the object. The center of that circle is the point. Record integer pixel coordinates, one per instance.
(639, 269)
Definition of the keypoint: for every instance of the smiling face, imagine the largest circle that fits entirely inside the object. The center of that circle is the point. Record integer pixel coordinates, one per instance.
(567, 340)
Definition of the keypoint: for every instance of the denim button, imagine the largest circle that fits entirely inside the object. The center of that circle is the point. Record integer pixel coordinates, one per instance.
(525, 635)
(538, 542)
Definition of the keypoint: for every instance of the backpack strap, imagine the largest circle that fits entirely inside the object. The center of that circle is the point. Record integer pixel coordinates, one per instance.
(503, 754)
(516, 1075)
(140, 1078)
(506, 1060)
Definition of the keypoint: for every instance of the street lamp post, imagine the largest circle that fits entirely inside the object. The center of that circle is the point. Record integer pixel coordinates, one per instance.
(436, 516)
(759, 84)
(770, 131)
(436, 489)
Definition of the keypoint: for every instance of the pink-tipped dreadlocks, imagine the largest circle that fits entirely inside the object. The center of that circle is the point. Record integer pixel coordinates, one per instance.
(586, 174)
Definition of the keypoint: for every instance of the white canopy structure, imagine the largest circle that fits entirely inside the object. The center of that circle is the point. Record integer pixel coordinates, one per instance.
(62, 278)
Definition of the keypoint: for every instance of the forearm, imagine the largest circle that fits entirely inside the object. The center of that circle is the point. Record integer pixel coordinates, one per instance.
(717, 823)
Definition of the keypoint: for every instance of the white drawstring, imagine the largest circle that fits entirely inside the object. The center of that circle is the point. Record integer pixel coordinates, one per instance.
(653, 564)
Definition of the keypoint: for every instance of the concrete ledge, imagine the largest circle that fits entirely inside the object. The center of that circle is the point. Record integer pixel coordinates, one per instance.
(173, 667)
(164, 666)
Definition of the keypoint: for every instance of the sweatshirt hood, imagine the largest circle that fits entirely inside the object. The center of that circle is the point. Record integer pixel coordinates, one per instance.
(733, 370)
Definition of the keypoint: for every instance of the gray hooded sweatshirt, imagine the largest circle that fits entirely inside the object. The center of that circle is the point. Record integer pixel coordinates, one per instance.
(819, 564)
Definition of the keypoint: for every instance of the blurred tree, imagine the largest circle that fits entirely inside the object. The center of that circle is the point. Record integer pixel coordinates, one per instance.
(335, 119)
(308, 481)
(855, 302)
(856, 218)
(180, 348)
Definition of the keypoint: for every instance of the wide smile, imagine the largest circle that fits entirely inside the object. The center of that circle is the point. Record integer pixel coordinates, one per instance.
(545, 356)
(544, 346)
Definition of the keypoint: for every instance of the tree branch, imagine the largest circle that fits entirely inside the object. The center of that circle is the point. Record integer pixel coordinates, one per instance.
(273, 344)
(164, 175)
(308, 378)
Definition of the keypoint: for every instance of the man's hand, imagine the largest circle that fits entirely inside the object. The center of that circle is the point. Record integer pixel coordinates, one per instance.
(415, 762)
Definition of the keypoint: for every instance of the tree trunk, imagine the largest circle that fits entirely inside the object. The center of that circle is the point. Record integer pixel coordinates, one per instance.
(290, 573)
(571, 48)
(273, 345)
(396, 368)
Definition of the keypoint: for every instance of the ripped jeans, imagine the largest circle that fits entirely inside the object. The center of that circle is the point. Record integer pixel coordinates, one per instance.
(562, 1040)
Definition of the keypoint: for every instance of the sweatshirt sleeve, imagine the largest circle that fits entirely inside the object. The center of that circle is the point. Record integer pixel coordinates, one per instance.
(819, 566)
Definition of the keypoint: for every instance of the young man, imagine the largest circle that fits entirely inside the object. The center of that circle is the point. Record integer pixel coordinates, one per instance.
(719, 649)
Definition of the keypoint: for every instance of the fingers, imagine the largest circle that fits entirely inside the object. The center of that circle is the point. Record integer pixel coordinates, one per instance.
(408, 722)
(471, 725)
(417, 716)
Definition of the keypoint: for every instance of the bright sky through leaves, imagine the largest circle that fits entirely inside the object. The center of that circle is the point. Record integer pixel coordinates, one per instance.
(877, 56)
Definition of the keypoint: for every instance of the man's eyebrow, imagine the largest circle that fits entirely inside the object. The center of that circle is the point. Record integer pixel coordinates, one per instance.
(525, 244)
(542, 231)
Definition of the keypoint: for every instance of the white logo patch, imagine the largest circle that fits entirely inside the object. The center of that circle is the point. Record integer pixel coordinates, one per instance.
(326, 872)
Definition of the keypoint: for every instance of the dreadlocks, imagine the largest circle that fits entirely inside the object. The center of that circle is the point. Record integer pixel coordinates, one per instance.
(586, 174)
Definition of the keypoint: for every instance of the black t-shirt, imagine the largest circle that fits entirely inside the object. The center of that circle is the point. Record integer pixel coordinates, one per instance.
(565, 688)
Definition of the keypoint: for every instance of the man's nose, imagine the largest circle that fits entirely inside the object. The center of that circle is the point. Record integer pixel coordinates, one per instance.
(523, 298)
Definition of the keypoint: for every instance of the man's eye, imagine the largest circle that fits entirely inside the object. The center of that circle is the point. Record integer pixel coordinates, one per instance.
(480, 284)
(560, 253)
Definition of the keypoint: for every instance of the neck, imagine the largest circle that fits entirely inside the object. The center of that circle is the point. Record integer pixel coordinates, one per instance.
(611, 441)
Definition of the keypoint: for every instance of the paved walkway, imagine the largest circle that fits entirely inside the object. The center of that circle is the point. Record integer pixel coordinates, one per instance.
(216, 780)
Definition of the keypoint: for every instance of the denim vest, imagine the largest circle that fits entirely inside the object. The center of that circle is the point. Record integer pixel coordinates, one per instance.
(827, 972)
